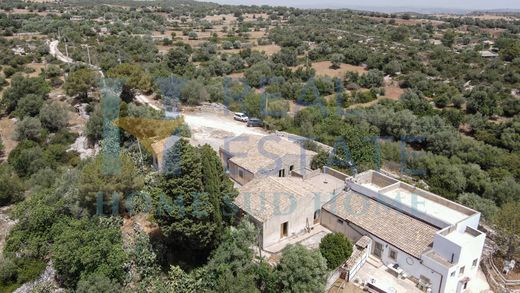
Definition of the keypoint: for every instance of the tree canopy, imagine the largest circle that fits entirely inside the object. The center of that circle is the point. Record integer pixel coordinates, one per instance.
(336, 248)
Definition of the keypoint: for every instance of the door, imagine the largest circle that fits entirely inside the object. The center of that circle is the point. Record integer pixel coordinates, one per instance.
(378, 249)
(284, 230)
(317, 216)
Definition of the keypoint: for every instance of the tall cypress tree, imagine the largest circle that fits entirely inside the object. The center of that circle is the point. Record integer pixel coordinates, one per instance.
(196, 191)
(212, 181)
(186, 215)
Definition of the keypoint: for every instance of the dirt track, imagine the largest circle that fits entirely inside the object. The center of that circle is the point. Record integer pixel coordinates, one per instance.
(213, 128)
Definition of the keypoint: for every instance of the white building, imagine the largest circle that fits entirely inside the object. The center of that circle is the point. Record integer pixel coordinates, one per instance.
(488, 54)
(284, 208)
(429, 238)
(247, 157)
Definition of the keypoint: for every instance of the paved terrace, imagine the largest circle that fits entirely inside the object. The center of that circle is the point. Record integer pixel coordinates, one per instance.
(385, 279)
(409, 198)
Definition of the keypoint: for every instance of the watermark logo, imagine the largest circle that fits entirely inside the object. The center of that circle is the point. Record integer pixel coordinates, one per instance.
(266, 149)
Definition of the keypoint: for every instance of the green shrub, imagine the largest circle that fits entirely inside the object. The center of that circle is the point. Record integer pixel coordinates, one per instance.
(97, 283)
(7, 271)
(2, 146)
(9, 71)
(29, 269)
(14, 273)
(336, 249)
(11, 187)
(362, 97)
(87, 247)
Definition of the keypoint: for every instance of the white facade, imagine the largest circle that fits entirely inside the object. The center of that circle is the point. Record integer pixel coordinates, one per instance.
(452, 258)
(285, 207)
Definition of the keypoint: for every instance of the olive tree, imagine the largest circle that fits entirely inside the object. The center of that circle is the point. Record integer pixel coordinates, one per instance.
(508, 223)
(54, 116)
(29, 128)
(301, 270)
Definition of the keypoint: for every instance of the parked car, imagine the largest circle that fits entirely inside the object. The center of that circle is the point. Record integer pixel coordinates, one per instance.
(255, 122)
(240, 117)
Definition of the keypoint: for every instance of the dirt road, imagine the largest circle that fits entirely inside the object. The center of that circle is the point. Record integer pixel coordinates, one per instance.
(55, 52)
(213, 128)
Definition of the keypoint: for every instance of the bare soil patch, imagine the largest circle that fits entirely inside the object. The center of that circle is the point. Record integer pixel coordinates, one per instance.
(256, 34)
(7, 131)
(25, 37)
(250, 16)
(230, 51)
(236, 75)
(37, 69)
(294, 107)
(323, 68)
(26, 11)
(163, 49)
(230, 18)
(493, 31)
(268, 49)
(393, 92)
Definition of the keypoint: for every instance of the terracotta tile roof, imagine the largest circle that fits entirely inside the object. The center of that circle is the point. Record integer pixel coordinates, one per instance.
(160, 147)
(265, 197)
(398, 229)
(255, 153)
(357, 252)
(363, 242)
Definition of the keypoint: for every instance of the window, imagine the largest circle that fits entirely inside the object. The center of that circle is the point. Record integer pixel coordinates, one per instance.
(284, 230)
(475, 262)
(240, 173)
(393, 254)
(461, 271)
(452, 274)
(340, 221)
(281, 173)
(291, 168)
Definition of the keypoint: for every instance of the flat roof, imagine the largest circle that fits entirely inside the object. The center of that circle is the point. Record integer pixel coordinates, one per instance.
(416, 202)
(410, 198)
(263, 198)
(460, 237)
(394, 227)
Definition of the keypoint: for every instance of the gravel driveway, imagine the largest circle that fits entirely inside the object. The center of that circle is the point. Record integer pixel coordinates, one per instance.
(213, 128)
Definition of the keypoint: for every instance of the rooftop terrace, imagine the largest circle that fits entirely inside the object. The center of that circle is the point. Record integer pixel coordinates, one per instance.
(409, 199)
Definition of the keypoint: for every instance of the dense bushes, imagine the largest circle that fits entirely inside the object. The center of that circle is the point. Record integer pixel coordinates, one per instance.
(11, 187)
(21, 87)
(15, 272)
(301, 270)
(89, 247)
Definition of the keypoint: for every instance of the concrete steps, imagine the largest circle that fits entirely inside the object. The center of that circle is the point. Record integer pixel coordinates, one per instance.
(376, 262)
